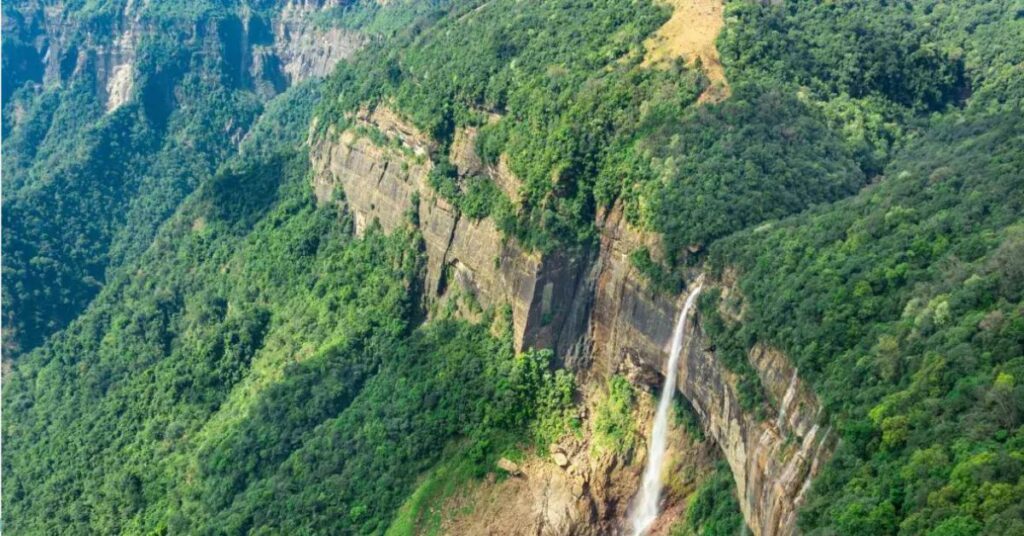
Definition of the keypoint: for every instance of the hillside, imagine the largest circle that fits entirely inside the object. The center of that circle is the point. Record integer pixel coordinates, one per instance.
(357, 267)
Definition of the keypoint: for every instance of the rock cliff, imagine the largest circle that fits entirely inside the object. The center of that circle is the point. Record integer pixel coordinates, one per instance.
(266, 51)
(388, 184)
(306, 49)
(598, 313)
(773, 460)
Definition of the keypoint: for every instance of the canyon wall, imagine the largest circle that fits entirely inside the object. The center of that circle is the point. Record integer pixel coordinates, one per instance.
(774, 459)
(465, 257)
(265, 52)
(597, 312)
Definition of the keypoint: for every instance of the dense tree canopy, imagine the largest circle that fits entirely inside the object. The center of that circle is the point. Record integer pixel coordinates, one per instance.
(903, 307)
(206, 349)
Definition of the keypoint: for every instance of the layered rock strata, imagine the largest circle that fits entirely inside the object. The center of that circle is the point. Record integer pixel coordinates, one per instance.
(773, 460)
(598, 313)
(388, 184)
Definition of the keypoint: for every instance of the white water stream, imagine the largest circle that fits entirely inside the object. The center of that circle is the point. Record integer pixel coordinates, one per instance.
(644, 509)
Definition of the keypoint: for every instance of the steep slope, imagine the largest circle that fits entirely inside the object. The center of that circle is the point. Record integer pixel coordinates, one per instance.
(112, 115)
(433, 294)
(902, 307)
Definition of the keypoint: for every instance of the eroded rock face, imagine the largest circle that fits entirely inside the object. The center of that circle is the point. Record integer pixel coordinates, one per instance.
(57, 47)
(629, 325)
(306, 49)
(389, 185)
(601, 317)
(579, 489)
(263, 54)
(774, 460)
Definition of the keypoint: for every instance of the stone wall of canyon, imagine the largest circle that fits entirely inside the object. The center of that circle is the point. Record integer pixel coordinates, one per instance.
(265, 52)
(773, 460)
(389, 185)
(596, 311)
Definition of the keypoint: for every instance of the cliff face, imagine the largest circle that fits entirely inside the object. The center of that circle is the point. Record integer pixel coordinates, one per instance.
(265, 52)
(629, 327)
(389, 185)
(48, 46)
(306, 49)
(598, 313)
(773, 460)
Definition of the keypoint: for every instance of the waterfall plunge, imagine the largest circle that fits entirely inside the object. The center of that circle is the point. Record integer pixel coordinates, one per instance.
(644, 509)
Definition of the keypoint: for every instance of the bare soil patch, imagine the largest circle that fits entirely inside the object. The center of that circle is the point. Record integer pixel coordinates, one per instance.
(690, 34)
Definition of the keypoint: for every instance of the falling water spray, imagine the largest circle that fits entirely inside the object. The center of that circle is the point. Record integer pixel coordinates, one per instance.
(644, 509)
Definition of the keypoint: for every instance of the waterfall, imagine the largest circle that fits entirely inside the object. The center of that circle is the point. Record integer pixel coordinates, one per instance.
(644, 509)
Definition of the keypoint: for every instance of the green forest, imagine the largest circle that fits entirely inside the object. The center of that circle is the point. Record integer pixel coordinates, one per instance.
(194, 343)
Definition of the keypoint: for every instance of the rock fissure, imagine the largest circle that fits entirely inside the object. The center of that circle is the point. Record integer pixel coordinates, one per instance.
(447, 263)
(383, 171)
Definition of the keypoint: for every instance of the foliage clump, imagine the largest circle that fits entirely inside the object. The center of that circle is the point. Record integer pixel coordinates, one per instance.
(614, 422)
(713, 509)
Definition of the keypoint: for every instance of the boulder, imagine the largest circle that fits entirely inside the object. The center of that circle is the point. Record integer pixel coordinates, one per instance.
(509, 467)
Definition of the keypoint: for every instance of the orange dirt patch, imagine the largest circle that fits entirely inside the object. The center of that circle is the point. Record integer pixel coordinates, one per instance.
(690, 34)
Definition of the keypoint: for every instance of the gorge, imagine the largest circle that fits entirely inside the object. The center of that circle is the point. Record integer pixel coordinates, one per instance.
(598, 313)
(673, 268)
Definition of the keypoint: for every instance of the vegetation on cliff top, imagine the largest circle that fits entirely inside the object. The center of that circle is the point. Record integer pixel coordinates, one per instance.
(823, 95)
(583, 123)
(216, 353)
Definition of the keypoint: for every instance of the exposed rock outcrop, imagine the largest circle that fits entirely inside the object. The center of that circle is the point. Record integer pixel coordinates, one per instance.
(598, 313)
(773, 460)
(306, 49)
(628, 323)
(388, 184)
(265, 52)
(578, 489)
